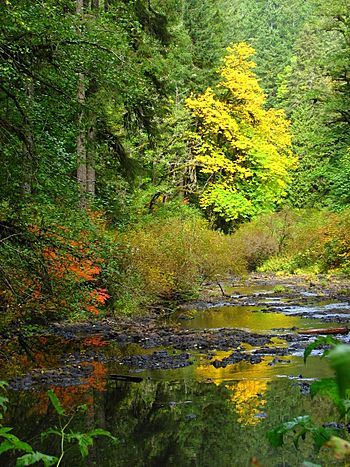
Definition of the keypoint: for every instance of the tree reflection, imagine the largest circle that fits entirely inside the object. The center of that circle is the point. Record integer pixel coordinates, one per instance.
(182, 423)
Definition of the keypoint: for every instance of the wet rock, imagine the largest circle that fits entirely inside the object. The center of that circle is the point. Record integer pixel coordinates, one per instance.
(235, 358)
(159, 360)
(334, 425)
(276, 360)
(260, 415)
(61, 377)
(191, 416)
(304, 388)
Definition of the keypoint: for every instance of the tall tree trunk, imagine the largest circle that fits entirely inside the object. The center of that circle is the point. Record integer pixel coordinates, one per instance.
(81, 139)
(90, 160)
(28, 146)
(79, 6)
(81, 143)
(86, 140)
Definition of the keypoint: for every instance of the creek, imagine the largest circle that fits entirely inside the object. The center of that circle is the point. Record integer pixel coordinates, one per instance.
(199, 388)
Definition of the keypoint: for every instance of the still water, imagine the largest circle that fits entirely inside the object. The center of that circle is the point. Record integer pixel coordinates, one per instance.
(175, 423)
(249, 318)
(193, 416)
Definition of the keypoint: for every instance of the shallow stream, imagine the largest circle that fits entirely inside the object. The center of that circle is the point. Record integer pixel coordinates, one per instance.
(183, 405)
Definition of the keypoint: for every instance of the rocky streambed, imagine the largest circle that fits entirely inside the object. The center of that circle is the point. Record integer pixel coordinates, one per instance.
(235, 323)
(201, 385)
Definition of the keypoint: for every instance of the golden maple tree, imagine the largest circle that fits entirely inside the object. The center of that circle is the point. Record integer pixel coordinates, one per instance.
(242, 148)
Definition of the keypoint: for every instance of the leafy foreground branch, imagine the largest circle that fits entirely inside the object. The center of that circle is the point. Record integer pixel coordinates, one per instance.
(83, 440)
(338, 390)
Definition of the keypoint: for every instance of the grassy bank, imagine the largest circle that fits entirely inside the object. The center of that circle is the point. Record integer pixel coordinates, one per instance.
(56, 264)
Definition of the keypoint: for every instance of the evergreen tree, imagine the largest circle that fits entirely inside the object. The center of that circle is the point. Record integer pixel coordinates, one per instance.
(271, 27)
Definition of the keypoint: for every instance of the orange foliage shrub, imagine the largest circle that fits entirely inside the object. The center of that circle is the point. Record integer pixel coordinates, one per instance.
(71, 267)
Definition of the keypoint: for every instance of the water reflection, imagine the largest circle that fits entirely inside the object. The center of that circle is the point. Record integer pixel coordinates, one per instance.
(248, 318)
(245, 395)
(269, 368)
(181, 423)
(247, 400)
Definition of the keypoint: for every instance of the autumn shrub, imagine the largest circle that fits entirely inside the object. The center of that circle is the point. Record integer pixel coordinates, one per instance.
(336, 248)
(318, 242)
(264, 237)
(302, 245)
(51, 264)
(173, 257)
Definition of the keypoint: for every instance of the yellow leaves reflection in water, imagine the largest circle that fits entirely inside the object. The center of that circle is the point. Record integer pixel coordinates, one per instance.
(246, 397)
(246, 394)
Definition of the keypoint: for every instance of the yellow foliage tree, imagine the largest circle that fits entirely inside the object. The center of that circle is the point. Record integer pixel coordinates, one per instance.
(242, 149)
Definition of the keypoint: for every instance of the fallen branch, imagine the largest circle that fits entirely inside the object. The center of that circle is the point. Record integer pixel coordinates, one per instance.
(344, 330)
(222, 291)
(126, 378)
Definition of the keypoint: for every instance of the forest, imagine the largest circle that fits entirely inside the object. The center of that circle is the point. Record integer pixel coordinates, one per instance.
(148, 146)
(152, 147)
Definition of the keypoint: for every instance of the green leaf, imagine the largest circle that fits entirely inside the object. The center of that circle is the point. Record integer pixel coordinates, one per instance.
(34, 457)
(276, 435)
(82, 408)
(3, 405)
(345, 404)
(55, 402)
(50, 431)
(6, 446)
(321, 436)
(3, 402)
(84, 441)
(326, 387)
(302, 435)
(310, 464)
(17, 444)
(339, 359)
(101, 432)
(320, 342)
(3, 384)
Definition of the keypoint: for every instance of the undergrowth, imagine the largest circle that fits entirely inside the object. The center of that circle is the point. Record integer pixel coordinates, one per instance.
(297, 241)
(58, 264)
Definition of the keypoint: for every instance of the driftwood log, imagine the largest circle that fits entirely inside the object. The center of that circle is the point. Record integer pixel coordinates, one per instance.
(126, 378)
(344, 330)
